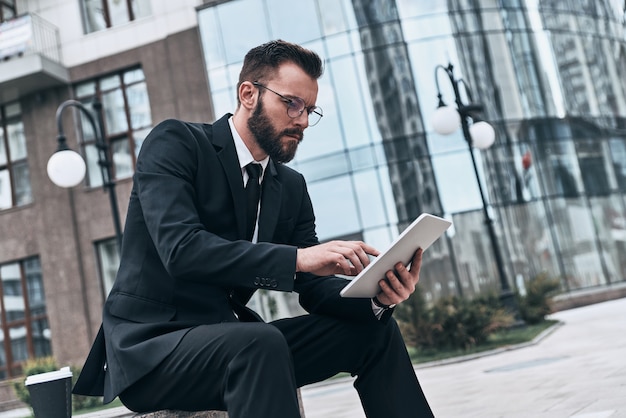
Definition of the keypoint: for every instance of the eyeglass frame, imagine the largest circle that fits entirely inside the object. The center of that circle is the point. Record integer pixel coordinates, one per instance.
(289, 101)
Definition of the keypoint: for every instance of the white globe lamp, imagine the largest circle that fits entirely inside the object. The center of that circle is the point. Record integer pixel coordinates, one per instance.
(66, 168)
(483, 135)
(446, 120)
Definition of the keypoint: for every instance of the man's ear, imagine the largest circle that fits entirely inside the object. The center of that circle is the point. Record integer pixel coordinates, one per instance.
(248, 95)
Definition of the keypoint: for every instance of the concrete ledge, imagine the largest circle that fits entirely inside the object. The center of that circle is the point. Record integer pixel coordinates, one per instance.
(200, 414)
(183, 414)
(584, 297)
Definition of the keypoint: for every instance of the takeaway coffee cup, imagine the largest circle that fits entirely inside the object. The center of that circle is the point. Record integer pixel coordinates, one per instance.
(51, 393)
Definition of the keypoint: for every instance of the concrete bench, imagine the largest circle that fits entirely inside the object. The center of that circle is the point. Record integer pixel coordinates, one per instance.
(199, 414)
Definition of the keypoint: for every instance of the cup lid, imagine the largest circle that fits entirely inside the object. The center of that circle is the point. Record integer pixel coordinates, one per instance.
(62, 373)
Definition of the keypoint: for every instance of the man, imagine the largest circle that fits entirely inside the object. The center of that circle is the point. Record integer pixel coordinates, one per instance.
(176, 332)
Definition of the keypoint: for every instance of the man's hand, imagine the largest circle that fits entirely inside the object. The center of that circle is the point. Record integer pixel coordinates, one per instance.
(335, 257)
(398, 285)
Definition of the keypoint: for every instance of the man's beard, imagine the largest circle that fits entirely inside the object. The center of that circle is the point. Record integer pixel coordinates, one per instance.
(270, 140)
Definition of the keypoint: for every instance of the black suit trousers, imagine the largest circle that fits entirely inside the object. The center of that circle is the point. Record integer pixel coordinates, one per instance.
(252, 369)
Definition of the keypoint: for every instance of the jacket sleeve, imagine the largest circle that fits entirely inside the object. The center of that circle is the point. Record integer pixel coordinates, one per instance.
(320, 294)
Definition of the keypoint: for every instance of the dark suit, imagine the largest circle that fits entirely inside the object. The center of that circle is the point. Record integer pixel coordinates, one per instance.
(186, 267)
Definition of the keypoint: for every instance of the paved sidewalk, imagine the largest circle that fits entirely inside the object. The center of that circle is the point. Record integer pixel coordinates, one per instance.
(576, 370)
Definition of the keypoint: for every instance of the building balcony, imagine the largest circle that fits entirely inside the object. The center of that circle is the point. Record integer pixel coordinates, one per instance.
(30, 57)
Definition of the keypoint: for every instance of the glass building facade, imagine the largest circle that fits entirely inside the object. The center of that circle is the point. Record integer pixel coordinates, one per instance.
(550, 76)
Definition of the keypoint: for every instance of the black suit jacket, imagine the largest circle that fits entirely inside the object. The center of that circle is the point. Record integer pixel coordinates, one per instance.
(185, 260)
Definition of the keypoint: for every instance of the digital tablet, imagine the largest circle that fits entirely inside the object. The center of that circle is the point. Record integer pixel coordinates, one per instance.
(420, 234)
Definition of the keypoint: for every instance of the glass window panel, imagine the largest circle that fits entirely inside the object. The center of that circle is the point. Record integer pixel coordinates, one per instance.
(118, 12)
(329, 195)
(87, 128)
(85, 89)
(21, 179)
(333, 19)
(110, 82)
(6, 201)
(109, 263)
(17, 140)
(280, 13)
(141, 8)
(34, 286)
(93, 15)
(139, 105)
(618, 154)
(12, 291)
(122, 159)
(245, 13)
(115, 112)
(19, 349)
(349, 94)
(210, 34)
(41, 337)
(3, 150)
(133, 76)
(94, 175)
(12, 109)
(458, 187)
(138, 137)
(370, 201)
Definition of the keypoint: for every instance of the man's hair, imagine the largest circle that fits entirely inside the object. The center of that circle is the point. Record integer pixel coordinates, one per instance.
(262, 62)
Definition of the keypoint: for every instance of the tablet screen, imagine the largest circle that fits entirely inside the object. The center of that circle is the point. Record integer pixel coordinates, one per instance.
(422, 232)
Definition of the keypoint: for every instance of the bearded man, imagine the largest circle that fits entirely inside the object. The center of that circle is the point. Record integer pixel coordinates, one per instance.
(176, 331)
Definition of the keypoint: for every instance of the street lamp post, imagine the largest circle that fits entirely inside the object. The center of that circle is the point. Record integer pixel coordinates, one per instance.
(479, 134)
(66, 168)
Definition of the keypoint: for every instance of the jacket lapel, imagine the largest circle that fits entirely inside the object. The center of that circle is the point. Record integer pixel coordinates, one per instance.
(224, 144)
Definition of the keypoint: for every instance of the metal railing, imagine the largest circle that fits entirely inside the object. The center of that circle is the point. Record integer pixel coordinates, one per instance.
(27, 34)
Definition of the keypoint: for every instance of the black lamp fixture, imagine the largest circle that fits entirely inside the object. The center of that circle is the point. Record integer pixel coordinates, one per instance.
(66, 168)
(478, 134)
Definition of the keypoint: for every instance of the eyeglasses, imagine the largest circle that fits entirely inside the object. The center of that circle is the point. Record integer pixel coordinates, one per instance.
(295, 106)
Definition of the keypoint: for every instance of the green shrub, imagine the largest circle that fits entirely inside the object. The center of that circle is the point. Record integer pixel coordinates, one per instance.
(537, 303)
(451, 322)
(48, 364)
(30, 367)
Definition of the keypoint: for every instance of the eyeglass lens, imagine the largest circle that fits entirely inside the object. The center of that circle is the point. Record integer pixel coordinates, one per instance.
(296, 106)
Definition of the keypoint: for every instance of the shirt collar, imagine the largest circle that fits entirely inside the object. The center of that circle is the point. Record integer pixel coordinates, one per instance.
(243, 153)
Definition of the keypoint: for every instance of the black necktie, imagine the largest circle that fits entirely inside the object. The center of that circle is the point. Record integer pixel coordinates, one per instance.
(253, 193)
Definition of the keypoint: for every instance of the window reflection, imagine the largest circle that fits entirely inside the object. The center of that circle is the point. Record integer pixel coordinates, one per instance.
(124, 99)
(20, 309)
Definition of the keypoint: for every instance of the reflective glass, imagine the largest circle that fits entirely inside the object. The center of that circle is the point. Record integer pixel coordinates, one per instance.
(246, 13)
(115, 112)
(280, 13)
(110, 82)
(109, 263)
(94, 174)
(17, 140)
(370, 201)
(118, 12)
(85, 89)
(329, 195)
(138, 138)
(122, 159)
(34, 286)
(3, 150)
(141, 8)
(139, 105)
(133, 76)
(93, 15)
(333, 18)
(12, 291)
(6, 200)
(41, 336)
(21, 179)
